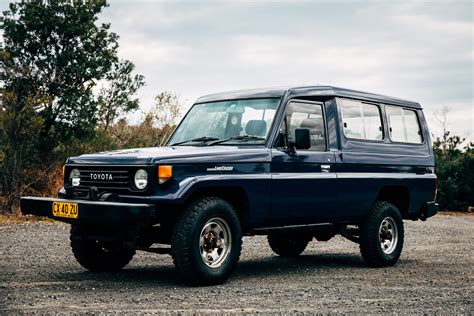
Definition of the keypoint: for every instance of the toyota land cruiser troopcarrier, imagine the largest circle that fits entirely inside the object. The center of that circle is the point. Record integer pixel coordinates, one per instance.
(292, 163)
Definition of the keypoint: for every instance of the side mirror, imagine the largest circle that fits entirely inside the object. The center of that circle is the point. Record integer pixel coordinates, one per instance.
(302, 138)
(281, 140)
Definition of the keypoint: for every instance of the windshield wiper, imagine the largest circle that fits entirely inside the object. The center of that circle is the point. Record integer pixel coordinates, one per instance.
(243, 137)
(199, 139)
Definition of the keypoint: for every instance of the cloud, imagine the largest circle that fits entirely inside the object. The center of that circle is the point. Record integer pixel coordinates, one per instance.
(418, 50)
(155, 52)
(432, 24)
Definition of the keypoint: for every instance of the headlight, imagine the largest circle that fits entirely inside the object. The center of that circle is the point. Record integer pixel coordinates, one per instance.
(75, 173)
(74, 177)
(141, 179)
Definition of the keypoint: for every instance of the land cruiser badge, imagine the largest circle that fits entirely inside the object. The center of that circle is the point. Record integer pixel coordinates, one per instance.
(221, 168)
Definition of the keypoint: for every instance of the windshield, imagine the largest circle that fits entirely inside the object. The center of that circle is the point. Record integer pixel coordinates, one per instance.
(233, 121)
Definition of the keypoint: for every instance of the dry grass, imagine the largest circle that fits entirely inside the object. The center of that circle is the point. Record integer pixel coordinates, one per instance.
(22, 219)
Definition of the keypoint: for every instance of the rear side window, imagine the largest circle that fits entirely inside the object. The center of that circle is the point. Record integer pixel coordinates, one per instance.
(361, 120)
(403, 125)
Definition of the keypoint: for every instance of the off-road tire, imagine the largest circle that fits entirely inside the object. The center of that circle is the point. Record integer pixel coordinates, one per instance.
(288, 244)
(185, 247)
(370, 245)
(96, 256)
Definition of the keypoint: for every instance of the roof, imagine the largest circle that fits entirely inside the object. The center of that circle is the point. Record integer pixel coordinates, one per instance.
(305, 91)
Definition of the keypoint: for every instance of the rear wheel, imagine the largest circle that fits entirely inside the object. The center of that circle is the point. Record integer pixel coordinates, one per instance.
(288, 244)
(99, 256)
(381, 235)
(206, 242)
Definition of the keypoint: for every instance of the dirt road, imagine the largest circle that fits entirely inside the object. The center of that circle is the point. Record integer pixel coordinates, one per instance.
(39, 274)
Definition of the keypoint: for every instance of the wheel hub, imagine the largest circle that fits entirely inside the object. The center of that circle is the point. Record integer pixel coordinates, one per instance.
(211, 241)
(388, 235)
(215, 242)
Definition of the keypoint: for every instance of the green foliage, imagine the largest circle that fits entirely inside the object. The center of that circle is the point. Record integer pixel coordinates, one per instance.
(116, 98)
(56, 52)
(20, 127)
(455, 171)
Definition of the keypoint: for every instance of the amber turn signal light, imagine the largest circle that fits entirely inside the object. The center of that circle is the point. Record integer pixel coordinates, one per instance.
(164, 173)
(63, 171)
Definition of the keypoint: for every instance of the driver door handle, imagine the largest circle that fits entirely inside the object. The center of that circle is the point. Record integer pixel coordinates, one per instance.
(325, 168)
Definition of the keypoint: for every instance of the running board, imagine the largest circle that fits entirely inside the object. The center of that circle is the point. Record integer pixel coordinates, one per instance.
(304, 227)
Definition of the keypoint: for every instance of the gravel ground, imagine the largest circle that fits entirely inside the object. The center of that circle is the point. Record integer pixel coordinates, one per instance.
(434, 275)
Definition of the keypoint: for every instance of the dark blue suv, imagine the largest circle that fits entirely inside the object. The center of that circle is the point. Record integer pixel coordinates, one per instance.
(291, 163)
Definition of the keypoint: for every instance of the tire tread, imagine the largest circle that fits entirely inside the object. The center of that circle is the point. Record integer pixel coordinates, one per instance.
(370, 249)
(181, 240)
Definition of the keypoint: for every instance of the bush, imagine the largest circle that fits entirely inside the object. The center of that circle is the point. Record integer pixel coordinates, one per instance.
(455, 170)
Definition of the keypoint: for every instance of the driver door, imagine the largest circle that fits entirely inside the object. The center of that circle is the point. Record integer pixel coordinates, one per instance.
(303, 185)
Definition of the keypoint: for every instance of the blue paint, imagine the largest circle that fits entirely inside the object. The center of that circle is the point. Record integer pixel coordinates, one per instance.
(337, 185)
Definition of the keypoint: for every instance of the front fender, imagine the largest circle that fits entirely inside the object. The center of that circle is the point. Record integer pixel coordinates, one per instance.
(257, 188)
(254, 185)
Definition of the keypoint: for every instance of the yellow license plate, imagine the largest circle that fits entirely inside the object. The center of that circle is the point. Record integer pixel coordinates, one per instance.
(66, 209)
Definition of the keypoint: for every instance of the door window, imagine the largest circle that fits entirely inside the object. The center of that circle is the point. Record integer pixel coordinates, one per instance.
(308, 116)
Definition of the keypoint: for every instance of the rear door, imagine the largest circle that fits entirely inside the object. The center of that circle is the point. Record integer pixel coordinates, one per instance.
(303, 185)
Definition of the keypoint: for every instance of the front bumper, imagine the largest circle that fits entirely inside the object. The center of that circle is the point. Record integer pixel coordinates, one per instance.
(96, 213)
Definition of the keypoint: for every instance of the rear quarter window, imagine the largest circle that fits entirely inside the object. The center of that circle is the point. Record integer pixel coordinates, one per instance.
(404, 125)
(361, 120)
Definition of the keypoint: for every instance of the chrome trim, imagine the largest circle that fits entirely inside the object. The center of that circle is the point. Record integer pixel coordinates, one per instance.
(292, 226)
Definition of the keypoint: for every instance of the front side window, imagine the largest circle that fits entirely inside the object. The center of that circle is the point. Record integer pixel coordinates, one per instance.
(403, 125)
(361, 120)
(308, 116)
(235, 121)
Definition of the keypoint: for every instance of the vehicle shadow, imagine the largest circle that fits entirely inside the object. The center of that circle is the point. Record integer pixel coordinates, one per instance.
(273, 265)
(262, 267)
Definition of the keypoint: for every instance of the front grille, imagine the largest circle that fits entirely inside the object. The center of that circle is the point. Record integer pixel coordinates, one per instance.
(113, 178)
(107, 178)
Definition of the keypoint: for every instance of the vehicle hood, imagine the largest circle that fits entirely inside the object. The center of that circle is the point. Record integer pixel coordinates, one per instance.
(176, 154)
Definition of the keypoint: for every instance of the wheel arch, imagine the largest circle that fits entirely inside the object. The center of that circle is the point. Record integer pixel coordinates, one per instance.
(233, 194)
(398, 195)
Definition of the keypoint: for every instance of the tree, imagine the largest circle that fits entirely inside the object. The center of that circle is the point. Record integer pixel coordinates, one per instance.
(57, 51)
(116, 97)
(54, 53)
(156, 127)
(20, 127)
(133, 136)
(454, 166)
(441, 118)
(165, 112)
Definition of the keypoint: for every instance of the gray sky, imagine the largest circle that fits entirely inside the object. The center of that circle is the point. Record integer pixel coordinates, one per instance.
(417, 50)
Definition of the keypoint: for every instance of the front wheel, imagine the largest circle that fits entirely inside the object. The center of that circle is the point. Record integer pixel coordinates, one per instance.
(206, 242)
(381, 235)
